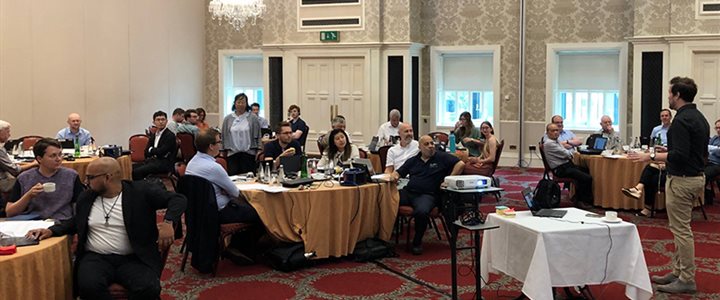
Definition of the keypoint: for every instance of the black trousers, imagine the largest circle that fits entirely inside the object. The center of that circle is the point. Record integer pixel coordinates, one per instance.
(583, 180)
(652, 178)
(241, 162)
(97, 271)
(151, 166)
(422, 205)
(711, 171)
(242, 212)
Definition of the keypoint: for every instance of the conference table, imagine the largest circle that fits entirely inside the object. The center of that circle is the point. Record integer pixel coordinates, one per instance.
(575, 250)
(328, 218)
(80, 165)
(37, 272)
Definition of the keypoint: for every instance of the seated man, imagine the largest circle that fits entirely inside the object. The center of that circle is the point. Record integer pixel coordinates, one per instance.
(567, 138)
(74, 131)
(560, 161)
(160, 151)
(661, 130)
(189, 126)
(712, 169)
(388, 130)
(118, 238)
(407, 148)
(338, 122)
(9, 169)
(255, 109)
(613, 137)
(283, 145)
(427, 172)
(28, 195)
(178, 117)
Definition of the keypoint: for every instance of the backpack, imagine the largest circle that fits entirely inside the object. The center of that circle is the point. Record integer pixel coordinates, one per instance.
(547, 194)
(371, 249)
(288, 258)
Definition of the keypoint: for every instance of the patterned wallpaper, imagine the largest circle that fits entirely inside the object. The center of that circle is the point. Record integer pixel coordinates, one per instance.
(663, 17)
(395, 21)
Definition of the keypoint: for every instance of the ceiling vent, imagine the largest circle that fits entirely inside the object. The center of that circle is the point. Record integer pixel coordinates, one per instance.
(317, 15)
(707, 9)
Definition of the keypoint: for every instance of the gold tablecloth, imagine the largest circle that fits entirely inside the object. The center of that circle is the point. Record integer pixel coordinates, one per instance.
(80, 165)
(37, 272)
(377, 164)
(328, 220)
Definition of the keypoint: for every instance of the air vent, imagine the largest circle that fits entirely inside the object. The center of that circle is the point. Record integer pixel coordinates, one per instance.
(325, 2)
(707, 9)
(318, 15)
(331, 22)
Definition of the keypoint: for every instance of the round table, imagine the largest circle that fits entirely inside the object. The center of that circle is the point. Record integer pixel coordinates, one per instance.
(37, 272)
(80, 165)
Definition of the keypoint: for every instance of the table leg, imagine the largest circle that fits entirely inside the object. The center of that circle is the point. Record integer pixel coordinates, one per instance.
(453, 258)
(478, 278)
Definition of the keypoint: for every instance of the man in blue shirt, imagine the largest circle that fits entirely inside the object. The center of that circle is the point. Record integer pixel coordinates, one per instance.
(75, 131)
(427, 172)
(662, 129)
(712, 169)
(567, 138)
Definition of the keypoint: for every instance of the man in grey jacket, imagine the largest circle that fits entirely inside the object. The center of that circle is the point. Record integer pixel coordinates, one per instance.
(560, 161)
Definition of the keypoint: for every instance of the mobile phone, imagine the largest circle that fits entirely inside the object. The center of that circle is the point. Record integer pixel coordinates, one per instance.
(592, 215)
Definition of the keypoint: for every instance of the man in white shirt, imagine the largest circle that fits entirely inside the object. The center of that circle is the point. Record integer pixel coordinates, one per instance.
(160, 151)
(388, 130)
(407, 148)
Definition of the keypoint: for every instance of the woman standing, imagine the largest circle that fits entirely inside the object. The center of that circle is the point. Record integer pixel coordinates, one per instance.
(241, 137)
(468, 134)
(339, 151)
(483, 165)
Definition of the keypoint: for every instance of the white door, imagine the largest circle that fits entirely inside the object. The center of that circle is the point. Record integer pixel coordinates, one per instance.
(333, 85)
(706, 72)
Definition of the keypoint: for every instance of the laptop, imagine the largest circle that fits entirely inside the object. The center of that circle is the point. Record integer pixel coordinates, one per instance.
(373, 147)
(544, 212)
(597, 147)
(291, 164)
(67, 144)
(364, 163)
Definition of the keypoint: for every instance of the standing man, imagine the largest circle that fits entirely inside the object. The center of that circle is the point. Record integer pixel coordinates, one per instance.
(662, 129)
(75, 131)
(567, 138)
(255, 108)
(388, 130)
(119, 239)
(407, 148)
(560, 162)
(607, 131)
(178, 117)
(427, 172)
(687, 146)
(160, 151)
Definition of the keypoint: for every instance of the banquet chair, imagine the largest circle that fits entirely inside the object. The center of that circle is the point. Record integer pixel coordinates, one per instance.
(440, 136)
(495, 180)
(320, 145)
(29, 141)
(206, 238)
(549, 172)
(382, 152)
(118, 291)
(405, 216)
(187, 145)
(363, 154)
(137, 144)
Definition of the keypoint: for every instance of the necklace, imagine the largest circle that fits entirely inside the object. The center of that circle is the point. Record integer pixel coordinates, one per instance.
(107, 213)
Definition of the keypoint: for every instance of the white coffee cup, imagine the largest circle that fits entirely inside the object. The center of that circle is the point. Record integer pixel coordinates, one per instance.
(49, 187)
(611, 215)
(583, 147)
(626, 148)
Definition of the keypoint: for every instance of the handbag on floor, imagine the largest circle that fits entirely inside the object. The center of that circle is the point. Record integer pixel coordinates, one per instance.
(371, 249)
(289, 257)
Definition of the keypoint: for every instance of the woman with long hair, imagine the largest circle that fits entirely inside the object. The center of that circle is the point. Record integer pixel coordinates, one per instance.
(483, 165)
(241, 137)
(339, 150)
(201, 124)
(468, 134)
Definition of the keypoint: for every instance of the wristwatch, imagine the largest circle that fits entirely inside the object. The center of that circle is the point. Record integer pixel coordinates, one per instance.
(652, 156)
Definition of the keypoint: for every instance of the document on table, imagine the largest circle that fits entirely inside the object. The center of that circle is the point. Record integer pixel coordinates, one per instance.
(262, 187)
(20, 228)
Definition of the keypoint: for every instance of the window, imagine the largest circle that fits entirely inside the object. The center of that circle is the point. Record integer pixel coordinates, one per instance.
(587, 87)
(246, 77)
(467, 85)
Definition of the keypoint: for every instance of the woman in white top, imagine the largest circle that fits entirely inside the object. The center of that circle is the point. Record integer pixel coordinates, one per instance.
(339, 150)
(241, 137)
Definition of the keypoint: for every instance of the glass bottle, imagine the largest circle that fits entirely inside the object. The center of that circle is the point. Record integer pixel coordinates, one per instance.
(77, 147)
(281, 174)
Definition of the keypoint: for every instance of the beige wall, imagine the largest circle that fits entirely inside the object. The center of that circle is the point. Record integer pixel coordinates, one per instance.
(114, 62)
(670, 17)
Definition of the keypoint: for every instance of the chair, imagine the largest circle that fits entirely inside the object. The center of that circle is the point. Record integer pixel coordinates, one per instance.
(549, 172)
(118, 291)
(382, 152)
(440, 136)
(321, 144)
(187, 145)
(363, 154)
(405, 215)
(206, 238)
(137, 144)
(222, 162)
(29, 141)
(495, 180)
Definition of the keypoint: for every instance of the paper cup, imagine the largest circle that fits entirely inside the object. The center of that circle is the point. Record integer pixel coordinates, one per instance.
(611, 215)
(49, 187)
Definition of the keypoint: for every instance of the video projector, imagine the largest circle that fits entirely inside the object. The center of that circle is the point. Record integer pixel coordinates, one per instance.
(468, 182)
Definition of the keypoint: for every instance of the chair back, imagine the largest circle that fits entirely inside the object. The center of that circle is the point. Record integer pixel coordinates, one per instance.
(320, 144)
(202, 221)
(137, 144)
(548, 171)
(187, 145)
(363, 154)
(498, 151)
(382, 152)
(440, 136)
(29, 141)
(221, 161)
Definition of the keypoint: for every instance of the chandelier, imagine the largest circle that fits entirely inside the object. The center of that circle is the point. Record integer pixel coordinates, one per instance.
(236, 12)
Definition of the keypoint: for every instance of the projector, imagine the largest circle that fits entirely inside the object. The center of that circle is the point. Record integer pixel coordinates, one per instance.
(468, 182)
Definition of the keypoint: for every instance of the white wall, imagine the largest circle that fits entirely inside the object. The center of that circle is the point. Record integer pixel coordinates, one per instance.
(114, 62)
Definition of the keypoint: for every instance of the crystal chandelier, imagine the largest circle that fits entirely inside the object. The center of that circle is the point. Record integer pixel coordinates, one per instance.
(236, 12)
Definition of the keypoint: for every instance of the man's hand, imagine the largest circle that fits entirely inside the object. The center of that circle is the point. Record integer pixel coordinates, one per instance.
(166, 235)
(39, 234)
(638, 156)
(289, 152)
(660, 149)
(394, 177)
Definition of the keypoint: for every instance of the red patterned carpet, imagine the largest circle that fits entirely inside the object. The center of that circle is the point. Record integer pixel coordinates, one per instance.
(344, 279)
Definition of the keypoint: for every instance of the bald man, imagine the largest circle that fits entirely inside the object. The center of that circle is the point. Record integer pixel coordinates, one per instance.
(118, 238)
(427, 172)
(407, 148)
(606, 130)
(75, 131)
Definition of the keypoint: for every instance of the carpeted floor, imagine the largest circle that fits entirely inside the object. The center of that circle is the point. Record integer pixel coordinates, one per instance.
(344, 279)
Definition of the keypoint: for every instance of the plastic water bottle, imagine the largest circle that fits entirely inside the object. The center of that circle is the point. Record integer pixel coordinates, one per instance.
(303, 167)
(451, 142)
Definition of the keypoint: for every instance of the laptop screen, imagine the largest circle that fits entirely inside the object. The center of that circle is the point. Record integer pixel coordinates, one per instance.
(600, 142)
(528, 196)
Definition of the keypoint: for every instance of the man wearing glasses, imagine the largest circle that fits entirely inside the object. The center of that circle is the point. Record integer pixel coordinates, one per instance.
(284, 145)
(119, 240)
(567, 138)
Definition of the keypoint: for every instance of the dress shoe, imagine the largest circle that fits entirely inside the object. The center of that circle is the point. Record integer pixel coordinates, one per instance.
(632, 192)
(678, 287)
(417, 250)
(664, 279)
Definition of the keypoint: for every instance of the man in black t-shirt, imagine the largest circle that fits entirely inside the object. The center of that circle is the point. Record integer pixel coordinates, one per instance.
(283, 145)
(427, 172)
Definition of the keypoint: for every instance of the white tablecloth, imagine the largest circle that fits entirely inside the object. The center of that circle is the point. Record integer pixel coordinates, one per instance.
(547, 252)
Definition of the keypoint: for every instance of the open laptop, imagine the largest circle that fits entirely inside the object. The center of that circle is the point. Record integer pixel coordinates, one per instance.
(291, 164)
(373, 147)
(544, 212)
(366, 163)
(597, 147)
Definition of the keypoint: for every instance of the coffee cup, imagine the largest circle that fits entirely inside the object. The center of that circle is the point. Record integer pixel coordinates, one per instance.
(611, 215)
(583, 147)
(626, 148)
(49, 187)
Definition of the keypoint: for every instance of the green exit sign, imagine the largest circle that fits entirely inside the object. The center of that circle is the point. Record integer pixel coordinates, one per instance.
(329, 36)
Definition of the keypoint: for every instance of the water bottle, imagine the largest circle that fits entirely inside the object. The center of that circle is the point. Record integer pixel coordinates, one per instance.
(636, 144)
(451, 142)
(281, 174)
(303, 167)
(77, 147)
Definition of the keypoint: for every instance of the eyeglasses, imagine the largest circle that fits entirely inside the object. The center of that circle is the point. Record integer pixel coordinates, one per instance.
(217, 142)
(89, 177)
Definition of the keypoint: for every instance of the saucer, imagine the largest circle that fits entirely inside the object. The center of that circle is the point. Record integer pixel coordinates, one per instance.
(618, 220)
